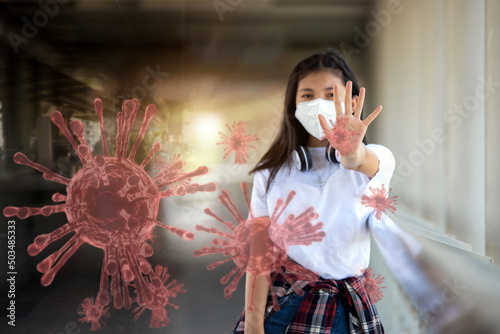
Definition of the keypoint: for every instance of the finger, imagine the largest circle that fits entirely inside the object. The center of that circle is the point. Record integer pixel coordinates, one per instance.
(348, 98)
(359, 105)
(336, 99)
(324, 124)
(372, 116)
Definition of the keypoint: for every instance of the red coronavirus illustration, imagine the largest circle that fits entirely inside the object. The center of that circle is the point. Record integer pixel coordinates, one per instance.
(341, 136)
(237, 142)
(93, 313)
(371, 285)
(379, 201)
(268, 252)
(161, 294)
(112, 204)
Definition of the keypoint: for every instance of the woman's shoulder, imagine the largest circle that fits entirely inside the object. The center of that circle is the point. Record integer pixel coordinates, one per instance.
(263, 175)
(260, 178)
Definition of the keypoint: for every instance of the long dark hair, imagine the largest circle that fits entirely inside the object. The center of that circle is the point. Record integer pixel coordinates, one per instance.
(292, 134)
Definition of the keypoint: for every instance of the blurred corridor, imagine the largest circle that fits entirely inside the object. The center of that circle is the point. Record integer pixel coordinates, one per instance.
(432, 64)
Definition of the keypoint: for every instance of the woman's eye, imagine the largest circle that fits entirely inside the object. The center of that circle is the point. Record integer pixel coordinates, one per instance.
(307, 96)
(330, 95)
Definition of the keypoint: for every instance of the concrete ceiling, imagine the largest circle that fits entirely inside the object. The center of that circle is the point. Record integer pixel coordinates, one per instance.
(105, 45)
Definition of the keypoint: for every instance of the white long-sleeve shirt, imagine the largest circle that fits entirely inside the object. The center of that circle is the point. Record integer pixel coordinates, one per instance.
(345, 250)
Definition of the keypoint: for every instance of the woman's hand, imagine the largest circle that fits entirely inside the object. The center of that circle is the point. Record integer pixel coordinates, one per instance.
(347, 134)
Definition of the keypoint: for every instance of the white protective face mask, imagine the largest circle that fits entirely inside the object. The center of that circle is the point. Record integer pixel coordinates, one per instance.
(307, 114)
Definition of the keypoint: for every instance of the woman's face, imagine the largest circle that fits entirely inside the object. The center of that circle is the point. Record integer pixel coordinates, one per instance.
(319, 85)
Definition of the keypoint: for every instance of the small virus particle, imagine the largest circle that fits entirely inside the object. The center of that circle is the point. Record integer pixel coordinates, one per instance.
(112, 204)
(157, 165)
(379, 201)
(93, 313)
(266, 256)
(161, 297)
(371, 285)
(237, 142)
(341, 137)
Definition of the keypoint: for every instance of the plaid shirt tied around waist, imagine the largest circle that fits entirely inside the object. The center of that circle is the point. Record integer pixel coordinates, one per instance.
(317, 311)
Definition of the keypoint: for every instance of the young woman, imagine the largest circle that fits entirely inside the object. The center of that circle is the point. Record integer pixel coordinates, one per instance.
(300, 160)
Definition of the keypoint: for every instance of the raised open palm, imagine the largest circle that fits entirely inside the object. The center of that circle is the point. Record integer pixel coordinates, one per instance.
(348, 132)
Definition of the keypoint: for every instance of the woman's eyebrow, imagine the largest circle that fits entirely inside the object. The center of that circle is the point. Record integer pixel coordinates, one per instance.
(310, 89)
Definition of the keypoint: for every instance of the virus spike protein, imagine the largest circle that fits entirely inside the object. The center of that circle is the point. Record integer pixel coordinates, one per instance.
(98, 110)
(148, 115)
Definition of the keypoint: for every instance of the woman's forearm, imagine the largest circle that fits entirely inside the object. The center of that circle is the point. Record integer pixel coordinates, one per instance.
(257, 276)
(363, 161)
(255, 315)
